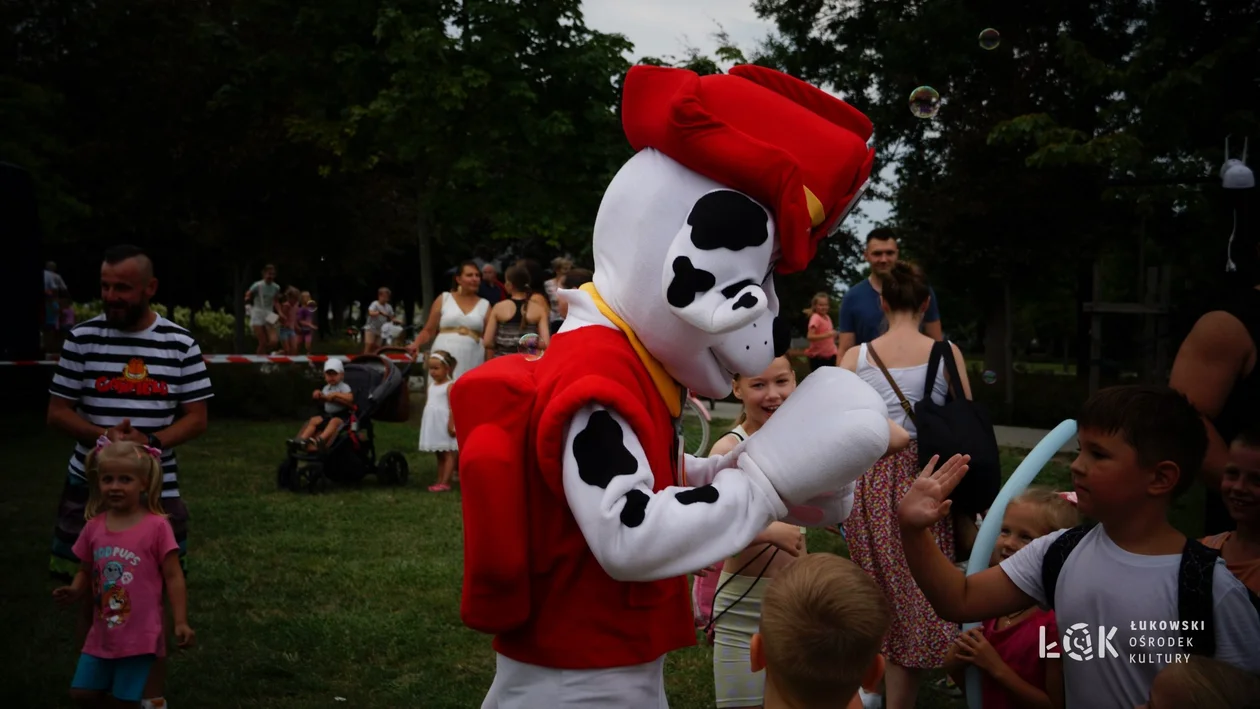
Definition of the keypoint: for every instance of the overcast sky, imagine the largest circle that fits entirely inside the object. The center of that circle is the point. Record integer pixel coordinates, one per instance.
(666, 27)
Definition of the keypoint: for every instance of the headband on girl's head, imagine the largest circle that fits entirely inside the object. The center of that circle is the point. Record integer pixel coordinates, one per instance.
(441, 357)
(104, 441)
(1069, 496)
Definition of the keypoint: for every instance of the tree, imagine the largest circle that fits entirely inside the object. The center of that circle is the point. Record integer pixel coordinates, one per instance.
(502, 117)
(1007, 193)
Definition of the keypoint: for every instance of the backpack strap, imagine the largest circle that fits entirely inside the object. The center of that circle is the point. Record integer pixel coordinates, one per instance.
(942, 351)
(905, 405)
(1194, 597)
(1056, 555)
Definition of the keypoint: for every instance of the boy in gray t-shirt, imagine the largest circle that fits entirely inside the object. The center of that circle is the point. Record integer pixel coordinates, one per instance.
(338, 398)
(1117, 598)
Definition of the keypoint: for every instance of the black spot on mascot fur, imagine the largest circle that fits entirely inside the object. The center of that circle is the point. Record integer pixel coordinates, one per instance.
(706, 494)
(636, 508)
(727, 220)
(733, 289)
(601, 455)
(688, 281)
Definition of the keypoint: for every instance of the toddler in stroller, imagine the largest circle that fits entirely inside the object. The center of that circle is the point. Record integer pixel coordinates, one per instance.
(370, 387)
(338, 399)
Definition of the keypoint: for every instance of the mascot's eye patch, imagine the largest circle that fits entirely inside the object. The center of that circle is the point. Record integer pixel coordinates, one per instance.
(601, 455)
(687, 282)
(727, 220)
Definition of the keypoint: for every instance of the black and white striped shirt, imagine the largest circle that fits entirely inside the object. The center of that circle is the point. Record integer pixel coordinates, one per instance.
(142, 376)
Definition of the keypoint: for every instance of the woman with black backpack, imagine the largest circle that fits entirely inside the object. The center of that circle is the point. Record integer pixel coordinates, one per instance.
(896, 364)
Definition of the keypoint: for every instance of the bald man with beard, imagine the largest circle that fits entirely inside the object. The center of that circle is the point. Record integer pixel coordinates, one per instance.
(127, 374)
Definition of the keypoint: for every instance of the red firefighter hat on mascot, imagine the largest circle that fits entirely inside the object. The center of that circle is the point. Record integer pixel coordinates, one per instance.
(797, 150)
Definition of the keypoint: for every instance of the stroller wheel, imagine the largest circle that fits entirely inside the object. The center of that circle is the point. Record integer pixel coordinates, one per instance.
(391, 469)
(286, 474)
(312, 478)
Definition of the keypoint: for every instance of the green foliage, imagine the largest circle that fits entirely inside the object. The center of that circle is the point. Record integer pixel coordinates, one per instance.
(498, 148)
(1017, 178)
(218, 324)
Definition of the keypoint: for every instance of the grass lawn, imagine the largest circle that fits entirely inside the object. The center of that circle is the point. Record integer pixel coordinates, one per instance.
(296, 600)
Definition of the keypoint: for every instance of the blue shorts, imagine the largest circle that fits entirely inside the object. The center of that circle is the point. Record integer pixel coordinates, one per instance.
(123, 677)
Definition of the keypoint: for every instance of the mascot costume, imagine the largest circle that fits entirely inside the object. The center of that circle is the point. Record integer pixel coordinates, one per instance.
(582, 516)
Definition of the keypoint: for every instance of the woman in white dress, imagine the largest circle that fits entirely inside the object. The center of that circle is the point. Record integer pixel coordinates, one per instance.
(457, 321)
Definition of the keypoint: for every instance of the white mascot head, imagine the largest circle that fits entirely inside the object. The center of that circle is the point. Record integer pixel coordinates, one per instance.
(738, 177)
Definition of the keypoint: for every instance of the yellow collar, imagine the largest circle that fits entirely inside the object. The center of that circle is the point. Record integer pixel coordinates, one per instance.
(665, 384)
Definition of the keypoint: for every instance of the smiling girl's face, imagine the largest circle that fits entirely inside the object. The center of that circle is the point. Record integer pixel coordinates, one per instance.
(763, 394)
(1021, 524)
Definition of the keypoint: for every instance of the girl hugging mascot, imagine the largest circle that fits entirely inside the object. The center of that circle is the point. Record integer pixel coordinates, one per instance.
(582, 516)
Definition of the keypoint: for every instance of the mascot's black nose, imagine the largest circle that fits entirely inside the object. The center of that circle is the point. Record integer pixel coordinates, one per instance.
(782, 336)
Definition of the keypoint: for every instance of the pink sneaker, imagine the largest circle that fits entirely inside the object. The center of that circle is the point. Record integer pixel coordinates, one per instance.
(439, 488)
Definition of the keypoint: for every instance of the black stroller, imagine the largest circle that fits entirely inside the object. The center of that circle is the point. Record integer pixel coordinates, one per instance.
(380, 391)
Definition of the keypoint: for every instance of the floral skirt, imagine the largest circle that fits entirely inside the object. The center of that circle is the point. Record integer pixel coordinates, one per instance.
(918, 638)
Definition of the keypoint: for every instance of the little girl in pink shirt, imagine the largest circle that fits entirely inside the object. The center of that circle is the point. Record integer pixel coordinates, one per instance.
(822, 349)
(129, 554)
(1006, 650)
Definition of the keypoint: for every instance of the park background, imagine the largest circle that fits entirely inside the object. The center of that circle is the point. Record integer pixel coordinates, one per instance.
(1071, 169)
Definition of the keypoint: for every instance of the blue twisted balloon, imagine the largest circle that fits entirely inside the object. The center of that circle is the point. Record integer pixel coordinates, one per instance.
(987, 538)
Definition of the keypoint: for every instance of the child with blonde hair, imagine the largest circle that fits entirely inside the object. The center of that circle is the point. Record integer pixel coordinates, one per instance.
(729, 605)
(306, 320)
(1006, 649)
(822, 625)
(128, 558)
(821, 333)
(1203, 683)
(437, 427)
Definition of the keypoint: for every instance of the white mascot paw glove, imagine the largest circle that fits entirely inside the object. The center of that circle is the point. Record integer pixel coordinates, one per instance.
(828, 433)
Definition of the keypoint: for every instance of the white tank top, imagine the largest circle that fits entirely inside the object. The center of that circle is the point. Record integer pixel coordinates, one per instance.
(910, 380)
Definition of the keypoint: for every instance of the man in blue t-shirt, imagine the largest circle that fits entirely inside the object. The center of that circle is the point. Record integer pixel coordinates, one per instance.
(861, 318)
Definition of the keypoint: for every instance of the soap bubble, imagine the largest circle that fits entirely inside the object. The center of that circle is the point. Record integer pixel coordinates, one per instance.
(925, 101)
(989, 376)
(530, 345)
(990, 39)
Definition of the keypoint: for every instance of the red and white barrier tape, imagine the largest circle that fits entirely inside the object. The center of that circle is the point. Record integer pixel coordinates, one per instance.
(233, 359)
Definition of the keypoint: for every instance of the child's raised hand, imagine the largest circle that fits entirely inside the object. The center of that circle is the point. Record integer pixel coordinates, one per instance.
(926, 502)
(67, 595)
(184, 636)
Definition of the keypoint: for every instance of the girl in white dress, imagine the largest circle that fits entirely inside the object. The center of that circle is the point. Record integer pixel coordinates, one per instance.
(437, 429)
(457, 320)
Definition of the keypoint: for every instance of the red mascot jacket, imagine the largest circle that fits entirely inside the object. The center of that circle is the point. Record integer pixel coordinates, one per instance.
(529, 576)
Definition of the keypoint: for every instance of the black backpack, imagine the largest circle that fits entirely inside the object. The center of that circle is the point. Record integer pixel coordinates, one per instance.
(959, 426)
(1194, 585)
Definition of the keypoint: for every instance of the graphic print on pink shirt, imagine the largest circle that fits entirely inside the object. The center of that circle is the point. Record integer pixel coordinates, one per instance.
(127, 585)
